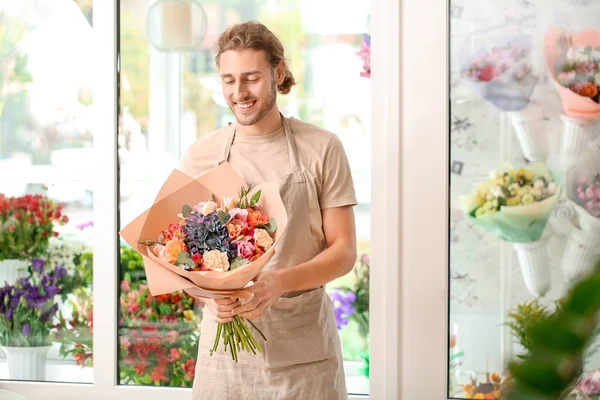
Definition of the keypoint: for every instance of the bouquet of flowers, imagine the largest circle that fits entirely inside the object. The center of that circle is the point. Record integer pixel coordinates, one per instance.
(515, 205)
(214, 248)
(573, 61)
(158, 337)
(28, 308)
(500, 72)
(582, 184)
(494, 388)
(26, 225)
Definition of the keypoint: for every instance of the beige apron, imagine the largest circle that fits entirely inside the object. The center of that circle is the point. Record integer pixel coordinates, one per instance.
(302, 357)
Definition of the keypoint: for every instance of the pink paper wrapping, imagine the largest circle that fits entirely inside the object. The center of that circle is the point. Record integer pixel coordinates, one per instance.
(574, 105)
(180, 189)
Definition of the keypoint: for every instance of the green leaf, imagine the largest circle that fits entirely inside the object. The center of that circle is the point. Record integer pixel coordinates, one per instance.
(190, 263)
(182, 257)
(238, 262)
(223, 217)
(270, 227)
(186, 211)
(255, 198)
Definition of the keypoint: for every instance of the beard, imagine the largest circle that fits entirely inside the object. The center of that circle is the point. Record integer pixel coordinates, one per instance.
(259, 114)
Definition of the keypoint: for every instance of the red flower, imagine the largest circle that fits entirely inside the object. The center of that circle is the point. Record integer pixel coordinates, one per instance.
(55, 234)
(487, 74)
(189, 367)
(176, 298)
(158, 375)
(174, 355)
(140, 368)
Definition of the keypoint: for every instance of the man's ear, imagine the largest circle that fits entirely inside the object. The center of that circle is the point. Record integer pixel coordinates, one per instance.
(280, 73)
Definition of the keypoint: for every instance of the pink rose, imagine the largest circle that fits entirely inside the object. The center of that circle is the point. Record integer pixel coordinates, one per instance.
(597, 193)
(238, 213)
(236, 228)
(589, 192)
(205, 207)
(245, 250)
(229, 202)
(593, 208)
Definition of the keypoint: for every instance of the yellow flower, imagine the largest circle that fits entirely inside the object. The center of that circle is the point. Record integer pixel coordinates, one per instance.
(513, 201)
(495, 377)
(528, 199)
(497, 394)
(468, 388)
(189, 316)
(215, 260)
(479, 396)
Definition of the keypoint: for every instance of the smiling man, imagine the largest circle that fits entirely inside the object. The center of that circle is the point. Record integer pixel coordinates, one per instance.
(302, 355)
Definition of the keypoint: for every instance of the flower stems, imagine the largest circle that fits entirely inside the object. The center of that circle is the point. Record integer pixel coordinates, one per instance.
(238, 337)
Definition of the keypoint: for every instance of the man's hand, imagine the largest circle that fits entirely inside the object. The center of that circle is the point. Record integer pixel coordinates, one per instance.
(219, 308)
(267, 289)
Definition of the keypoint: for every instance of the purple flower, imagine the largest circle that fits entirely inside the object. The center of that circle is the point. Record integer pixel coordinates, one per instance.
(26, 329)
(9, 314)
(38, 265)
(342, 302)
(84, 225)
(47, 315)
(60, 272)
(35, 299)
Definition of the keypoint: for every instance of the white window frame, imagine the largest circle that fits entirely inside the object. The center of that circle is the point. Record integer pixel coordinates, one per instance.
(405, 287)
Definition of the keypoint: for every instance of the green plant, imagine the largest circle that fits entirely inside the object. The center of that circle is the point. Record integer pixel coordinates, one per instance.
(131, 263)
(558, 343)
(525, 316)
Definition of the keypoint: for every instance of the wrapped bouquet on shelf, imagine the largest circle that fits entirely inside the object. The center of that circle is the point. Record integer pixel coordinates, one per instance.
(515, 204)
(500, 72)
(573, 61)
(582, 186)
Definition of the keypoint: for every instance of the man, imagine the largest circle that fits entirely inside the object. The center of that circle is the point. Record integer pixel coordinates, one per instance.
(302, 355)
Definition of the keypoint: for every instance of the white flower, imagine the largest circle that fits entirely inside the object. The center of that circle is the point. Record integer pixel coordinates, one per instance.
(496, 191)
(539, 184)
(571, 54)
(580, 55)
(595, 54)
(262, 239)
(494, 174)
(527, 199)
(536, 193)
(551, 188)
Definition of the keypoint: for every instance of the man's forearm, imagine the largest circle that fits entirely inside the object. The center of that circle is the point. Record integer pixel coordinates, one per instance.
(334, 262)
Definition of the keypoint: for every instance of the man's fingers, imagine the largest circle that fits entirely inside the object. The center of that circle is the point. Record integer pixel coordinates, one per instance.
(225, 301)
(252, 314)
(251, 305)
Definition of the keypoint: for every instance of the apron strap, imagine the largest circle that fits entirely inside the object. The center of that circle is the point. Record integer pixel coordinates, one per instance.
(291, 147)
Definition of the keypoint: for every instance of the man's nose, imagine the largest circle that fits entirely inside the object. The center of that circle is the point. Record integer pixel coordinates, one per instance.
(240, 91)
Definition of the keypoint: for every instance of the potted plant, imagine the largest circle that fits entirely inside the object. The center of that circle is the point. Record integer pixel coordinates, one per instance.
(27, 310)
(26, 225)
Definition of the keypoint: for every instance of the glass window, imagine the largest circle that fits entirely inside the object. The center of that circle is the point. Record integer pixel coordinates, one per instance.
(169, 100)
(524, 167)
(45, 213)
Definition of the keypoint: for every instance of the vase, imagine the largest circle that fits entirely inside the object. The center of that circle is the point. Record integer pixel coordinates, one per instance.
(579, 255)
(13, 270)
(576, 136)
(26, 363)
(532, 143)
(533, 259)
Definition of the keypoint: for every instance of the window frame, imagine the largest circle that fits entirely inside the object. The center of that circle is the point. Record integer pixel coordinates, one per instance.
(391, 280)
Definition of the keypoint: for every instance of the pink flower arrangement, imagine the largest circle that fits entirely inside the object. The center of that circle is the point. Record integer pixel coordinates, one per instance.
(578, 69)
(496, 62)
(588, 195)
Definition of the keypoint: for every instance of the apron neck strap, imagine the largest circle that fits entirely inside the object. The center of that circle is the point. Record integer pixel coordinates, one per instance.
(291, 145)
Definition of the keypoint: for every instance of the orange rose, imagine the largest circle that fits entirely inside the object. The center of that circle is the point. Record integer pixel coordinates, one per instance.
(257, 218)
(588, 89)
(172, 248)
(257, 253)
(236, 228)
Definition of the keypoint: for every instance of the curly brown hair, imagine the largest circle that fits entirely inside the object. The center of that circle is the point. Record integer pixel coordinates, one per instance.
(254, 35)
